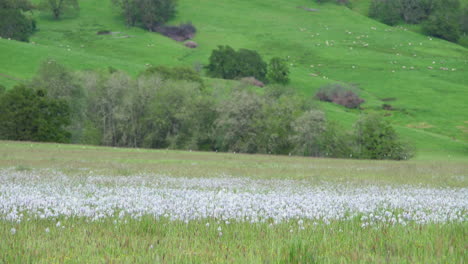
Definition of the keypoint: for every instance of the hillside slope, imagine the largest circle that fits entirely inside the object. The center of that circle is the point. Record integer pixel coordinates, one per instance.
(425, 78)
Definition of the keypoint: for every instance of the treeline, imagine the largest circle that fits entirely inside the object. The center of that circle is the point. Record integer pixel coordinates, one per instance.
(173, 108)
(445, 19)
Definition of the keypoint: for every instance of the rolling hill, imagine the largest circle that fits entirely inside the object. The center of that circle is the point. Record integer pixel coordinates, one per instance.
(424, 79)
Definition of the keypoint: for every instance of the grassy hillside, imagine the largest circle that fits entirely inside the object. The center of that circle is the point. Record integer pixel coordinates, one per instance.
(336, 44)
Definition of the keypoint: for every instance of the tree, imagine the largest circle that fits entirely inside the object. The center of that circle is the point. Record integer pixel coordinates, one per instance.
(415, 11)
(307, 130)
(179, 116)
(236, 127)
(23, 5)
(60, 7)
(27, 114)
(223, 63)
(377, 139)
(386, 11)
(60, 83)
(464, 20)
(227, 63)
(443, 24)
(147, 13)
(15, 25)
(250, 63)
(278, 71)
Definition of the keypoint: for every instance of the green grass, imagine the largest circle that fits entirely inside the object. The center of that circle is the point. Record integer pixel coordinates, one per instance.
(430, 103)
(161, 241)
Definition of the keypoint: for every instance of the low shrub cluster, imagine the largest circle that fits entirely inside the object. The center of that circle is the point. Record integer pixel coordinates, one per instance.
(339, 94)
(227, 63)
(181, 32)
(148, 14)
(168, 108)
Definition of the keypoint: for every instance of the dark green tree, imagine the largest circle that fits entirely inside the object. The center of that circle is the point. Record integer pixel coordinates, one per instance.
(223, 63)
(59, 7)
(250, 64)
(147, 13)
(60, 83)
(443, 24)
(278, 71)
(227, 63)
(377, 139)
(386, 11)
(27, 114)
(15, 25)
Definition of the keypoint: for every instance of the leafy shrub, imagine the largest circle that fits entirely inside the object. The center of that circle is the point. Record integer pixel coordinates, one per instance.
(377, 139)
(464, 20)
(227, 63)
(415, 11)
(443, 25)
(147, 13)
(386, 11)
(181, 32)
(26, 114)
(15, 25)
(278, 71)
(339, 94)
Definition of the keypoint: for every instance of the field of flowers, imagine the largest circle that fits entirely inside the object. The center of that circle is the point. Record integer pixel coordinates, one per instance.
(85, 214)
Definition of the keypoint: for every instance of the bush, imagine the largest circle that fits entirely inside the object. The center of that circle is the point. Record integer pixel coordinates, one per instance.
(15, 25)
(377, 139)
(415, 11)
(278, 71)
(443, 25)
(464, 21)
(227, 63)
(181, 32)
(147, 13)
(26, 114)
(385, 11)
(339, 94)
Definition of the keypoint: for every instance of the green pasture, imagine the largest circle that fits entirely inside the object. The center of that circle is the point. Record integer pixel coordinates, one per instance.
(424, 79)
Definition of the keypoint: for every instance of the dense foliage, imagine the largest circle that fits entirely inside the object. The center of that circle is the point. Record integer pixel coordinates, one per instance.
(60, 7)
(148, 14)
(377, 139)
(28, 114)
(170, 108)
(440, 18)
(227, 63)
(14, 21)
